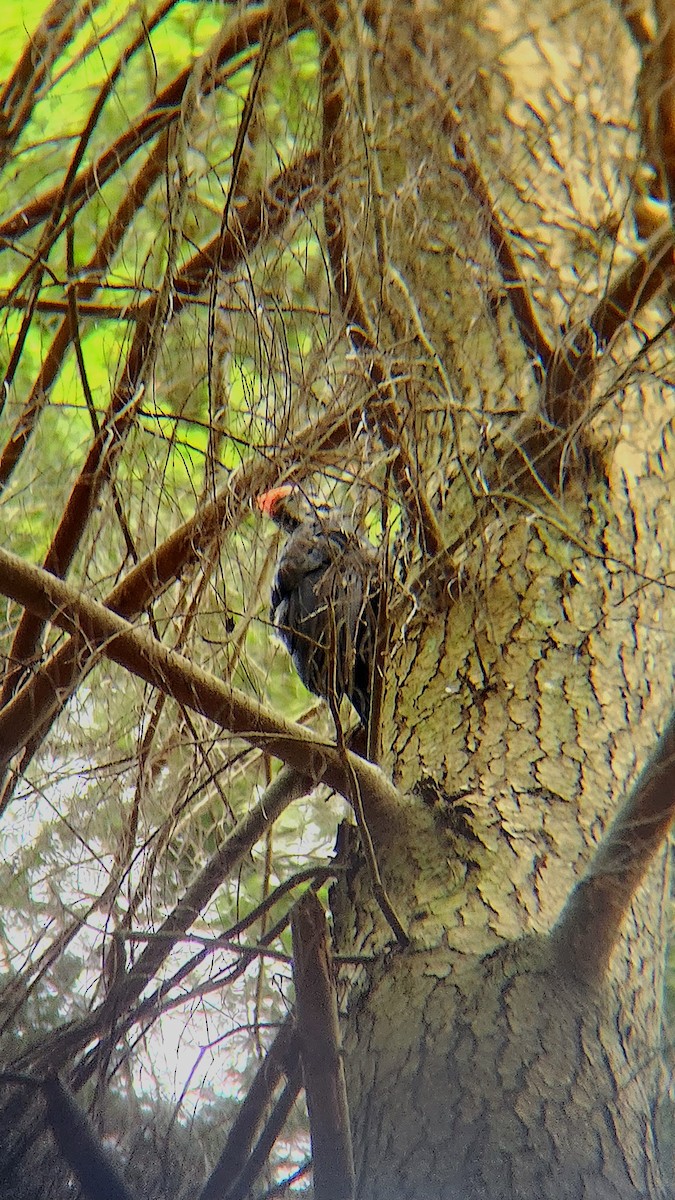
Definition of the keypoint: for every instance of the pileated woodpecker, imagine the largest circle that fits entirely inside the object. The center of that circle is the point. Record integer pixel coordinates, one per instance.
(325, 599)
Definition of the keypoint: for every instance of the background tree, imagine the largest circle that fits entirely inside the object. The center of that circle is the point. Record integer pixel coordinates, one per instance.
(417, 258)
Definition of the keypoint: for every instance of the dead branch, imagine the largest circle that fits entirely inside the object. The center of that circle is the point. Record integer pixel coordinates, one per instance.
(26, 719)
(382, 407)
(320, 1051)
(652, 269)
(58, 26)
(80, 1146)
(75, 1136)
(97, 468)
(144, 1012)
(86, 288)
(281, 1060)
(663, 52)
(537, 345)
(57, 1049)
(241, 1187)
(572, 369)
(257, 219)
(164, 111)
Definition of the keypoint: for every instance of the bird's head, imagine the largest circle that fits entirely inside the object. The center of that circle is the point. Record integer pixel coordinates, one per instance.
(281, 505)
(290, 506)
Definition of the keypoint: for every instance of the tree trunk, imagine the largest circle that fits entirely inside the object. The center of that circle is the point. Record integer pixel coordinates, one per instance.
(526, 690)
(476, 335)
(492, 1077)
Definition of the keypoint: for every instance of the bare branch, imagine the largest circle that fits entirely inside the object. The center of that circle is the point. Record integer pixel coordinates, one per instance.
(241, 1186)
(592, 920)
(664, 53)
(25, 720)
(384, 412)
(87, 287)
(58, 26)
(320, 1050)
(572, 368)
(80, 1145)
(533, 337)
(256, 218)
(134, 649)
(56, 1049)
(652, 269)
(164, 111)
(281, 1059)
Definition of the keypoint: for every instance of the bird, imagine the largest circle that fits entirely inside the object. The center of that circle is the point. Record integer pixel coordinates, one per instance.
(325, 598)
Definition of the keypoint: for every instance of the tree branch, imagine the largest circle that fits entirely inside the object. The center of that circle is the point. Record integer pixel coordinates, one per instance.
(592, 920)
(26, 719)
(281, 1059)
(56, 1049)
(80, 1145)
(651, 270)
(664, 101)
(262, 216)
(321, 1053)
(532, 336)
(60, 23)
(94, 273)
(241, 1186)
(386, 415)
(164, 111)
(53, 600)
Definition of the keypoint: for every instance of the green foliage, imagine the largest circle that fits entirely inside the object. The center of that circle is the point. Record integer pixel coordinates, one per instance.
(125, 798)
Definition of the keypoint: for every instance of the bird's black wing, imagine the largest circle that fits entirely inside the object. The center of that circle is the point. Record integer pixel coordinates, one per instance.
(324, 605)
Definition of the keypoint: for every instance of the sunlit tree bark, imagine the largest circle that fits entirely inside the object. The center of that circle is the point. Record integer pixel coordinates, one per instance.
(526, 691)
